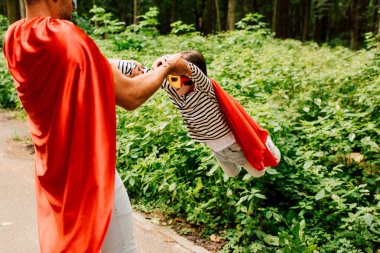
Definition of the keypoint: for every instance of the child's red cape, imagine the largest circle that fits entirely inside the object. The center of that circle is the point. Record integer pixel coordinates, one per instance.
(248, 134)
(66, 87)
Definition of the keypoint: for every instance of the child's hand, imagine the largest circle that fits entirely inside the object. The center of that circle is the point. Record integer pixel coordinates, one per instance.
(161, 61)
(179, 66)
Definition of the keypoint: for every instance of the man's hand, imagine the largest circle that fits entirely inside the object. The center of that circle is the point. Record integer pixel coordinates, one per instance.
(175, 63)
(161, 61)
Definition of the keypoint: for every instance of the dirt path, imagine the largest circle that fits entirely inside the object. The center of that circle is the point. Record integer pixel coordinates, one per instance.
(18, 222)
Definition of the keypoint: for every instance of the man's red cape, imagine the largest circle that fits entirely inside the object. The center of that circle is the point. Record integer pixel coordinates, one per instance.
(66, 87)
(248, 134)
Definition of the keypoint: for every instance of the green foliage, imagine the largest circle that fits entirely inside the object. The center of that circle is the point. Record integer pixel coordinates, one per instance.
(370, 40)
(4, 23)
(83, 23)
(321, 107)
(179, 28)
(253, 22)
(104, 24)
(147, 24)
(8, 95)
(139, 36)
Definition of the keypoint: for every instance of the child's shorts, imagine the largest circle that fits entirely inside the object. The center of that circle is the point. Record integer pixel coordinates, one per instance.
(232, 158)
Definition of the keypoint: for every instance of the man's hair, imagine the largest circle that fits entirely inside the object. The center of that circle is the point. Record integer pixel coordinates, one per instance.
(196, 58)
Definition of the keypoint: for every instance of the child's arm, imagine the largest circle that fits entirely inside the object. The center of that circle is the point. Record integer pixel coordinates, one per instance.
(183, 67)
(180, 68)
(199, 78)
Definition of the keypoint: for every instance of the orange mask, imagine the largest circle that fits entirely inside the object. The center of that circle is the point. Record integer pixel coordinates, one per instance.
(179, 81)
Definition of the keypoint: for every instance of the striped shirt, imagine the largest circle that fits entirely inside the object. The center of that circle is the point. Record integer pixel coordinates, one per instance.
(200, 108)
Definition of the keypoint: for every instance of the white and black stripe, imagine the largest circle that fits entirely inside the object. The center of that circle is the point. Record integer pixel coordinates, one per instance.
(200, 109)
(126, 67)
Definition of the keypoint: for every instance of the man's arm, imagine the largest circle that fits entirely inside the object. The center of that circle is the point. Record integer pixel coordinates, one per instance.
(129, 68)
(130, 93)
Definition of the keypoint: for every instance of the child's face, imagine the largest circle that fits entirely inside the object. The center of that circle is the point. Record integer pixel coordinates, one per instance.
(184, 89)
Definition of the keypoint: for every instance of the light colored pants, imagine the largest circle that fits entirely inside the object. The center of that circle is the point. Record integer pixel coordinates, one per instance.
(232, 158)
(119, 237)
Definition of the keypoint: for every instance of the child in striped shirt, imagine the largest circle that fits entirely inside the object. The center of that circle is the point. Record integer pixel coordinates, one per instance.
(194, 96)
(192, 93)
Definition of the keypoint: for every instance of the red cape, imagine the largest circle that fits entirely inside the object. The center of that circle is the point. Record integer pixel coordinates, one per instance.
(66, 87)
(248, 134)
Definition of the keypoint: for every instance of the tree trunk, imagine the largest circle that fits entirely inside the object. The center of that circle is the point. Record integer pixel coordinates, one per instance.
(13, 10)
(210, 17)
(136, 11)
(378, 29)
(243, 9)
(174, 14)
(306, 19)
(22, 9)
(199, 7)
(281, 19)
(322, 20)
(357, 13)
(231, 15)
(218, 24)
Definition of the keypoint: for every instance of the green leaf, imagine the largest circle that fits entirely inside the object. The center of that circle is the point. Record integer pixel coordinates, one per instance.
(271, 171)
(271, 240)
(302, 227)
(172, 186)
(212, 171)
(308, 164)
(260, 196)
(247, 177)
(318, 102)
(352, 136)
(368, 218)
(320, 195)
(131, 181)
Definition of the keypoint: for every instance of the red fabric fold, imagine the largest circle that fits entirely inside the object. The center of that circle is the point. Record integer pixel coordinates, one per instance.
(66, 87)
(248, 134)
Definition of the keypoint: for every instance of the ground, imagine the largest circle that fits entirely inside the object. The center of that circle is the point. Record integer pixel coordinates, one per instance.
(18, 221)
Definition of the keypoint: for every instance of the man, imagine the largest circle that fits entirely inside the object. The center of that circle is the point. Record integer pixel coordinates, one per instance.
(69, 91)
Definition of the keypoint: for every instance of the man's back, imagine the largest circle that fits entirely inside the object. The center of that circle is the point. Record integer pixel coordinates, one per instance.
(66, 87)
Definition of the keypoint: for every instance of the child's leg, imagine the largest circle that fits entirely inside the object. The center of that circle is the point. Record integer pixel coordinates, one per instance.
(252, 171)
(236, 156)
(230, 169)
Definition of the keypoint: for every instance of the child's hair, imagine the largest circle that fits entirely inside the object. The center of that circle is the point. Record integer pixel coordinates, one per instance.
(196, 58)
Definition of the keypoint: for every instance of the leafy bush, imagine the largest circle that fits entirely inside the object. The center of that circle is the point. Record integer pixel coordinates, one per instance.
(147, 24)
(179, 28)
(139, 36)
(254, 22)
(104, 24)
(83, 23)
(8, 95)
(321, 106)
(4, 23)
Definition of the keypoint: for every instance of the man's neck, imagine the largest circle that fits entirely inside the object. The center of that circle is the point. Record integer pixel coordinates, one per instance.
(40, 9)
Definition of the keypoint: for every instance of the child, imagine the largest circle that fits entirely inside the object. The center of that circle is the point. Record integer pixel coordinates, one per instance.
(193, 94)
